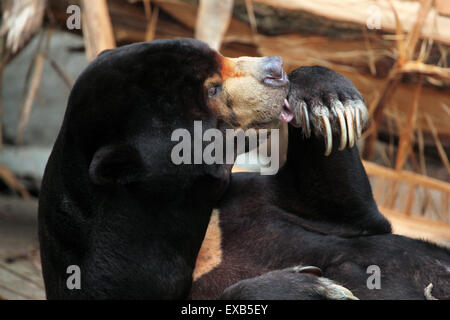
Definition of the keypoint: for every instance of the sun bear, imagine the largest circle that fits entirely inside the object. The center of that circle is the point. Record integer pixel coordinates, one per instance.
(115, 207)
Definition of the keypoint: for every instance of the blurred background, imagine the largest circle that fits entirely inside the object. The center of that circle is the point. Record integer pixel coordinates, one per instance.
(395, 51)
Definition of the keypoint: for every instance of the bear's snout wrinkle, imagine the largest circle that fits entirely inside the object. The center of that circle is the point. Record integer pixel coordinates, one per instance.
(273, 72)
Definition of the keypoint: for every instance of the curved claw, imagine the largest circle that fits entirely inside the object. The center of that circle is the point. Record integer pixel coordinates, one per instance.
(333, 291)
(327, 135)
(358, 124)
(305, 119)
(309, 269)
(350, 128)
(343, 128)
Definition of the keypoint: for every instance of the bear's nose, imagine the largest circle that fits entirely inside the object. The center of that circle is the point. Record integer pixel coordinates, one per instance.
(273, 72)
(273, 67)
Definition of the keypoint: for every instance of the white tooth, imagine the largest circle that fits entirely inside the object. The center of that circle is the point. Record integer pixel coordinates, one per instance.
(286, 103)
(327, 135)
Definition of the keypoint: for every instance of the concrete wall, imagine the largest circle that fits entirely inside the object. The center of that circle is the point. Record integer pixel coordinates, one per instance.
(48, 107)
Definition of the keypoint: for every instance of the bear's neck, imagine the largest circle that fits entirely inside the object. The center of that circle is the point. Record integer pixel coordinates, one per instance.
(132, 228)
(333, 190)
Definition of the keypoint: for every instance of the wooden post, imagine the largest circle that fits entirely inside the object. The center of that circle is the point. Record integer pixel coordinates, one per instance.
(404, 144)
(97, 28)
(152, 20)
(213, 19)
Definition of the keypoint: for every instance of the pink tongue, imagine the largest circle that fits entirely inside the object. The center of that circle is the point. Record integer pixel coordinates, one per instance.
(286, 115)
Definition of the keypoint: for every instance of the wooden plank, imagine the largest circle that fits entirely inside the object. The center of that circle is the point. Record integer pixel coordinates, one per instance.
(373, 169)
(418, 227)
(20, 281)
(378, 193)
(358, 12)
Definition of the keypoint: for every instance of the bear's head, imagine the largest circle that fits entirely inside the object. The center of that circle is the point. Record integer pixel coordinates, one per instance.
(127, 103)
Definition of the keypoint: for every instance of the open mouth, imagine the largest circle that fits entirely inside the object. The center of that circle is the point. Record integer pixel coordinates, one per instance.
(286, 113)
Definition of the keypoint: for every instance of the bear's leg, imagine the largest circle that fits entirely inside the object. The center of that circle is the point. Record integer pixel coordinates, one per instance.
(323, 179)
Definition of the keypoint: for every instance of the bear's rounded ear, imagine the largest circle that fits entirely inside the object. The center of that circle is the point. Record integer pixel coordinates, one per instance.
(116, 164)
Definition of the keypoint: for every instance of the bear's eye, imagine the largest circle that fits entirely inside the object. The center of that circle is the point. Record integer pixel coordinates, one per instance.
(214, 90)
